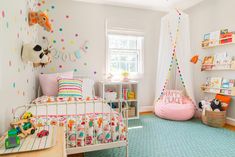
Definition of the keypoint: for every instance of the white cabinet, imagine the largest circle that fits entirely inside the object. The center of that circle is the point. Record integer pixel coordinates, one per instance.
(118, 93)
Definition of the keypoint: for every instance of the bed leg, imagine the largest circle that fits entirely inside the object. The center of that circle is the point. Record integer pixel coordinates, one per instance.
(127, 150)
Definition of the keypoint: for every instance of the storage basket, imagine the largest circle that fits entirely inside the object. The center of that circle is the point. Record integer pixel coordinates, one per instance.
(131, 112)
(214, 119)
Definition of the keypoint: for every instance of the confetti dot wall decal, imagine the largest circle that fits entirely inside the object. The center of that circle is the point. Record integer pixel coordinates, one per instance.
(52, 69)
(78, 54)
(71, 42)
(3, 13)
(14, 85)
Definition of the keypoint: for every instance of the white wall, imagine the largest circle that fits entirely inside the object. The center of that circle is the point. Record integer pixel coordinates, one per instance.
(88, 20)
(17, 80)
(208, 16)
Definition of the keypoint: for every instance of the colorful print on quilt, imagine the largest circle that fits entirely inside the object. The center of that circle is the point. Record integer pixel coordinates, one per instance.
(52, 99)
(90, 128)
(70, 87)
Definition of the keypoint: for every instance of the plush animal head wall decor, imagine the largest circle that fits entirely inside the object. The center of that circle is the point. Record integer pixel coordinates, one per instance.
(36, 55)
(40, 18)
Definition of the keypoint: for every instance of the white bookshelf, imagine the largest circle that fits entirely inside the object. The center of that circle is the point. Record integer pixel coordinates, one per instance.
(118, 86)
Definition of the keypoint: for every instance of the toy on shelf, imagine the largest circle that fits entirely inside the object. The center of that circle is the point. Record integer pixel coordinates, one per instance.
(131, 95)
(40, 18)
(25, 126)
(43, 133)
(12, 140)
(125, 75)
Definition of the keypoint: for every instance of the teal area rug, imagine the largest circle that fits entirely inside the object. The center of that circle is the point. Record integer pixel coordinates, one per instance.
(163, 138)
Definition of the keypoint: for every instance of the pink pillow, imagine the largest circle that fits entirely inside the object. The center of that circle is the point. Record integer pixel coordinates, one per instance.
(49, 83)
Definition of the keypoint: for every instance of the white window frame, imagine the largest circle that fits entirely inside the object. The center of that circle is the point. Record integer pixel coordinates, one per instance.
(127, 32)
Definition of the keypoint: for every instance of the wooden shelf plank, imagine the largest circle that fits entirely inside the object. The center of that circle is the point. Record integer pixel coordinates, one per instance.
(207, 47)
(207, 90)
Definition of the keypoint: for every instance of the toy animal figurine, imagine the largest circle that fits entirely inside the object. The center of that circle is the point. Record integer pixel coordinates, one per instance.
(40, 18)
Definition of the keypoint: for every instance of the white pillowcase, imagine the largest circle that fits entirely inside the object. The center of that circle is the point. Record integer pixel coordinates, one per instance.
(88, 88)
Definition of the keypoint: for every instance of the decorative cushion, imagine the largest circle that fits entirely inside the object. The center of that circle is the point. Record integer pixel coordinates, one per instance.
(173, 96)
(49, 82)
(70, 87)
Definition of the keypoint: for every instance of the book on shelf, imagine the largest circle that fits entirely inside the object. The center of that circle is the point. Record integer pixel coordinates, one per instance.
(215, 82)
(226, 91)
(125, 93)
(207, 62)
(224, 31)
(225, 83)
(222, 59)
(214, 38)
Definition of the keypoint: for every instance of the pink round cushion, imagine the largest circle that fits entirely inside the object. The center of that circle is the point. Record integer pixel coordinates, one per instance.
(174, 111)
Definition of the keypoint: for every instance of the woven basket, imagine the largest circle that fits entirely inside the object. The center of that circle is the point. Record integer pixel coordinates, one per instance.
(214, 119)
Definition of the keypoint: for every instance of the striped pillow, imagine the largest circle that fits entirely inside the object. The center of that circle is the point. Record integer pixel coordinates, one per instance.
(70, 87)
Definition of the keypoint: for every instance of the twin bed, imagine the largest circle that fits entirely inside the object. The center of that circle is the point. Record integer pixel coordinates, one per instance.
(90, 124)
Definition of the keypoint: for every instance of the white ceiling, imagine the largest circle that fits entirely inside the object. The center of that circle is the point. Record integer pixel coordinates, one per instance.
(162, 5)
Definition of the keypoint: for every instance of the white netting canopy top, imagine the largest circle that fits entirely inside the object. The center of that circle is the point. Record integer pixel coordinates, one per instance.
(174, 70)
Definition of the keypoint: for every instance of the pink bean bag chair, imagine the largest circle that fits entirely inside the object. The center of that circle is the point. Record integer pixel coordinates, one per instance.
(175, 111)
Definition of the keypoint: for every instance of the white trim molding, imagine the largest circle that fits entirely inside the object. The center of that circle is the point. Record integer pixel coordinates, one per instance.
(230, 121)
(146, 108)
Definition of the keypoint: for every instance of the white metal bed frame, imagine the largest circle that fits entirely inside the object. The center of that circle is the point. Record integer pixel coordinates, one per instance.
(85, 148)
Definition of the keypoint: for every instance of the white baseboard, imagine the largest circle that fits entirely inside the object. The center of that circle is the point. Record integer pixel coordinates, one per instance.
(230, 121)
(146, 108)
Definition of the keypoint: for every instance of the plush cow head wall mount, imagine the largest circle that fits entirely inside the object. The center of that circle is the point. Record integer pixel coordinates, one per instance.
(36, 54)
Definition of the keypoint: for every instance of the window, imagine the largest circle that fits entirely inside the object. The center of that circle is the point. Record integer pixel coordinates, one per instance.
(125, 54)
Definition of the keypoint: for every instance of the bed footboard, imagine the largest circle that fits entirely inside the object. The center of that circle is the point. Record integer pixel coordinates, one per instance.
(87, 131)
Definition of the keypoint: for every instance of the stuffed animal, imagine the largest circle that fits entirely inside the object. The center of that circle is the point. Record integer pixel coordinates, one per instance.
(36, 55)
(216, 105)
(40, 18)
(203, 104)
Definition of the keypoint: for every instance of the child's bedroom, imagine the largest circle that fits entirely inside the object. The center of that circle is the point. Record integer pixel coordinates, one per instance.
(117, 78)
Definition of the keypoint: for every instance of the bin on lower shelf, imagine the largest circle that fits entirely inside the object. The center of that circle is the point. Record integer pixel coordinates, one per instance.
(131, 112)
(214, 119)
